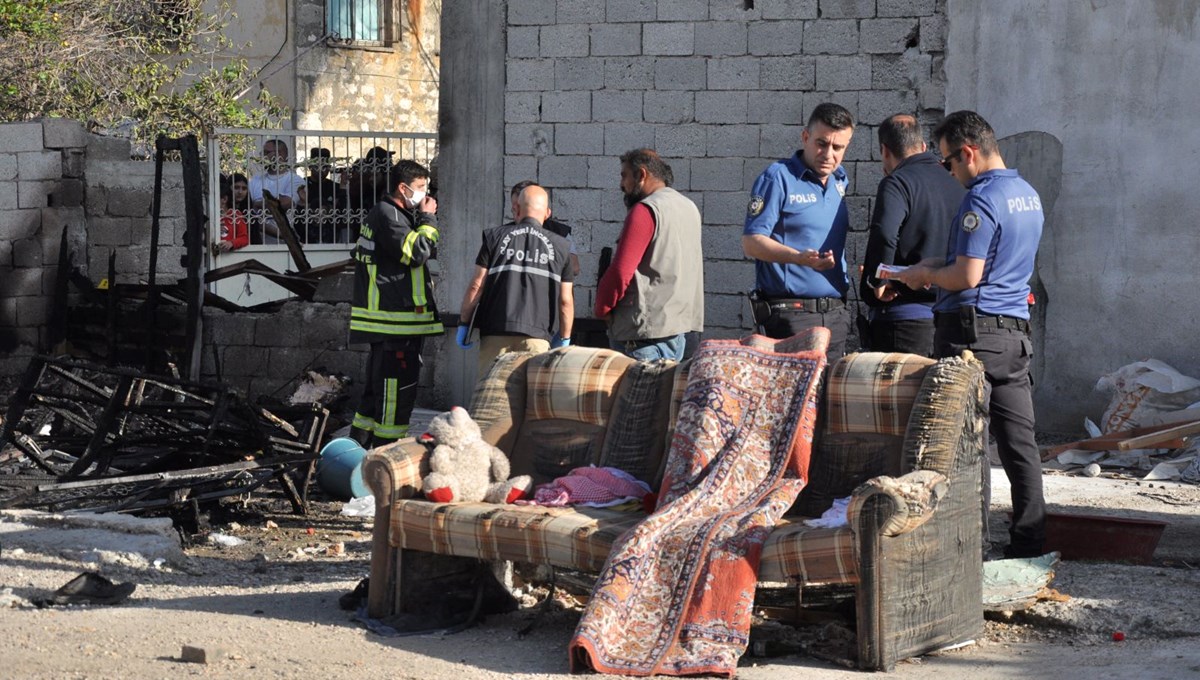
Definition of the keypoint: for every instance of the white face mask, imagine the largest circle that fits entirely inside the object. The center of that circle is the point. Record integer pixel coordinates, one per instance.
(418, 195)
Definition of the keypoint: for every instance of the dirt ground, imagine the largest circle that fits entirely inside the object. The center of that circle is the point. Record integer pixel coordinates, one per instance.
(269, 608)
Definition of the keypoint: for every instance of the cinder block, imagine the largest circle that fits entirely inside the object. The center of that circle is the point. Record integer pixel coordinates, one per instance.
(832, 36)
(528, 139)
(33, 310)
(110, 231)
(723, 241)
(681, 141)
(787, 73)
(733, 73)
(564, 40)
(778, 37)
(673, 38)
(631, 10)
(867, 175)
(728, 277)
(863, 146)
(580, 12)
(567, 107)
(22, 281)
(18, 137)
(735, 141)
(563, 171)
(723, 10)
(622, 137)
(535, 75)
(629, 74)
(579, 205)
(875, 105)
(779, 141)
(603, 172)
(74, 163)
(614, 40)
(522, 107)
(289, 363)
(847, 100)
(859, 208)
(8, 166)
(847, 9)
(727, 311)
(523, 42)
(682, 10)
(680, 73)
(28, 252)
(776, 107)
(19, 224)
(95, 199)
(579, 74)
(617, 106)
(905, 8)
(519, 169)
(63, 133)
(8, 313)
(669, 107)
(721, 107)
(790, 9)
(274, 334)
(531, 12)
(888, 36)
(243, 360)
(101, 148)
(125, 202)
(715, 174)
(582, 139)
(35, 194)
(721, 38)
(36, 165)
(230, 329)
(905, 71)
(8, 195)
(843, 72)
(933, 33)
(932, 95)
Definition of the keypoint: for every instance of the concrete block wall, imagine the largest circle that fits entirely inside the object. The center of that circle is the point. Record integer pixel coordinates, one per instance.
(720, 90)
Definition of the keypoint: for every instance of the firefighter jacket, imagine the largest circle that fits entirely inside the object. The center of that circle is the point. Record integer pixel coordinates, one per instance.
(393, 292)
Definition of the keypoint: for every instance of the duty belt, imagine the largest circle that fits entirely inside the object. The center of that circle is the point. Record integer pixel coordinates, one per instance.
(1000, 321)
(820, 305)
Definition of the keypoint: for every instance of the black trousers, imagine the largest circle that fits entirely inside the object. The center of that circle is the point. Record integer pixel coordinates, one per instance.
(912, 336)
(389, 392)
(1006, 354)
(786, 323)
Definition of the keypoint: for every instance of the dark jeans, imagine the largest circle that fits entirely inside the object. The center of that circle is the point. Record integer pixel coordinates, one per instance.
(1006, 354)
(786, 323)
(912, 336)
(651, 350)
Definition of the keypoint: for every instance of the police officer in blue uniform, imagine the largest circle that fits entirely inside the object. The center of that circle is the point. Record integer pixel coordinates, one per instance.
(982, 305)
(795, 229)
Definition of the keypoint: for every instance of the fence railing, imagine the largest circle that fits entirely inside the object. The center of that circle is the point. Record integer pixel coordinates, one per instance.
(326, 182)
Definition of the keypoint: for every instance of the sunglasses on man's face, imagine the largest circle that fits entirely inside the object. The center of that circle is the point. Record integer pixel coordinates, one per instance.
(946, 161)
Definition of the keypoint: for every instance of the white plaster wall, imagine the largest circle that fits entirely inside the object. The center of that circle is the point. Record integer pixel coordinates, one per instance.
(1115, 82)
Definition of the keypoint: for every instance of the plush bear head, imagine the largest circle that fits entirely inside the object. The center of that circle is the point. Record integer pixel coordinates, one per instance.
(454, 428)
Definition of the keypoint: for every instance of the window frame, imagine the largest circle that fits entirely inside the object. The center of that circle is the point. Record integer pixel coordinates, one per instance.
(389, 30)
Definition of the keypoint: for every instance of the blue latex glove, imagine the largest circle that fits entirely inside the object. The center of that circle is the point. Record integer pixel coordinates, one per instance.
(464, 337)
(558, 341)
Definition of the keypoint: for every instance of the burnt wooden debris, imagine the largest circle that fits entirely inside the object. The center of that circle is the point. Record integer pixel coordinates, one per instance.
(81, 436)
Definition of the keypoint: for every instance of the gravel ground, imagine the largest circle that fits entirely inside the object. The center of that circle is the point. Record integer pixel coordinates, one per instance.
(269, 608)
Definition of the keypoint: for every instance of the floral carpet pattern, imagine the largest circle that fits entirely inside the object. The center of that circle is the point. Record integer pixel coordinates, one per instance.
(677, 592)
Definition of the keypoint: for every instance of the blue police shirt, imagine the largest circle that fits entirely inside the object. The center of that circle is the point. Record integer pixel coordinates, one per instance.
(1000, 222)
(789, 205)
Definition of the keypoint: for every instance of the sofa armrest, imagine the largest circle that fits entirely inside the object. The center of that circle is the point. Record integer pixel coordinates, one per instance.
(913, 498)
(394, 471)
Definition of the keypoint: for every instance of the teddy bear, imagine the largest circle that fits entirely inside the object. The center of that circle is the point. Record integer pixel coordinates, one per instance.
(464, 467)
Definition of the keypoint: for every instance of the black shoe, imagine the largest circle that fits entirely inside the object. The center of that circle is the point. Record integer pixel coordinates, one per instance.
(89, 588)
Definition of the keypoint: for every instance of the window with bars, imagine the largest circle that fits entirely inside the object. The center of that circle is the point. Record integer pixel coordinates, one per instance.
(359, 22)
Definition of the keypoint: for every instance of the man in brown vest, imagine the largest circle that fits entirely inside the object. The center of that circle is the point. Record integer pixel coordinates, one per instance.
(652, 294)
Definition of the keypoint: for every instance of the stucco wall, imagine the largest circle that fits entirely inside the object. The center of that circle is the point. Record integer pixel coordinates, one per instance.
(1114, 81)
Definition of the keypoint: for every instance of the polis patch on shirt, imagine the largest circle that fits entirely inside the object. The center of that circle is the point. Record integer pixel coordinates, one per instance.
(970, 221)
(756, 206)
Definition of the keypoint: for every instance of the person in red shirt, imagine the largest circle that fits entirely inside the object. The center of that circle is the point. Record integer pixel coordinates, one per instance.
(234, 231)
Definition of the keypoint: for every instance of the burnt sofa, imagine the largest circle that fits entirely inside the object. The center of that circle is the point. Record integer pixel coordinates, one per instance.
(901, 435)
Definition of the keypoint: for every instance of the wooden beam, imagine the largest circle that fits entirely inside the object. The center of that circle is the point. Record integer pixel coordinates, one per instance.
(1142, 437)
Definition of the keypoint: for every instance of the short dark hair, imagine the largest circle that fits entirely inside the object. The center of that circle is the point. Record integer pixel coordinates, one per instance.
(520, 186)
(404, 172)
(651, 162)
(834, 115)
(901, 134)
(239, 177)
(967, 127)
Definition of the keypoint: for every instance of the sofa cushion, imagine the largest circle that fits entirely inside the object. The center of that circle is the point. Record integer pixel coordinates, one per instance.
(636, 440)
(574, 383)
(844, 461)
(872, 392)
(498, 403)
(809, 555)
(577, 538)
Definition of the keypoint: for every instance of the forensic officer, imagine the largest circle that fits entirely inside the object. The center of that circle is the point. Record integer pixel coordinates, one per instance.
(796, 227)
(393, 307)
(914, 205)
(982, 305)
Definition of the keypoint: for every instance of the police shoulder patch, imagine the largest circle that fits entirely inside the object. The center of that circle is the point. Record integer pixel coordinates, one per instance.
(756, 206)
(970, 221)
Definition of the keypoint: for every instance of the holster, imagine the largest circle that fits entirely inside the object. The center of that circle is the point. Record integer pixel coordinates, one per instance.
(967, 321)
(760, 309)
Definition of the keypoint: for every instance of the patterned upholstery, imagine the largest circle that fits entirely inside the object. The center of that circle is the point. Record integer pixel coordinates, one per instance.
(574, 383)
(873, 392)
(643, 408)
